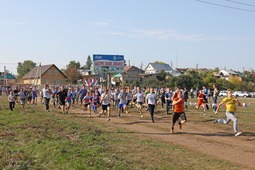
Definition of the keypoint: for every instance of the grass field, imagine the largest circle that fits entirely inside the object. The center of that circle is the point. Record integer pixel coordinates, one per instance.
(49, 140)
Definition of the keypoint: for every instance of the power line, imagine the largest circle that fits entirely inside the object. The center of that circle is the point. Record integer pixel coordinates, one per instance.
(241, 3)
(225, 6)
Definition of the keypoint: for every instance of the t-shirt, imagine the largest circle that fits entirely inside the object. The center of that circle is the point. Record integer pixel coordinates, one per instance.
(230, 104)
(151, 98)
(105, 99)
(179, 107)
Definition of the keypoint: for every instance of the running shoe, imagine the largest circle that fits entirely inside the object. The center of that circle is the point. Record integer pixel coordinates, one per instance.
(180, 125)
(238, 133)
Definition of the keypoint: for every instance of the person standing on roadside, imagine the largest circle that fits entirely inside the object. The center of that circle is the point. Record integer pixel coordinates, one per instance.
(46, 96)
(230, 102)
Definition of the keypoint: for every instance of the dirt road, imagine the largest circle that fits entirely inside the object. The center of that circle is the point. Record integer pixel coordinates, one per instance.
(198, 134)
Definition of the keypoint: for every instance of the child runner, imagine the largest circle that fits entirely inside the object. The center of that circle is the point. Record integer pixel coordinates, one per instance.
(178, 103)
(105, 100)
(122, 101)
(201, 101)
(139, 100)
(230, 102)
(22, 99)
(69, 100)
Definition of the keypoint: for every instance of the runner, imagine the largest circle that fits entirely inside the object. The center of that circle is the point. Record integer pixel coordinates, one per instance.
(22, 99)
(105, 100)
(11, 99)
(46, 96)
(151, 102)
(215, 97)
(122, 101)
(201, 101)
(62, 98)
(139, 101)
(178, 103)
(230, 102)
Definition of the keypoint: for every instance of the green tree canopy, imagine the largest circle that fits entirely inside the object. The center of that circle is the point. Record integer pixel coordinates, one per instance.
(88, 63)
(25, 67)
(74, 64)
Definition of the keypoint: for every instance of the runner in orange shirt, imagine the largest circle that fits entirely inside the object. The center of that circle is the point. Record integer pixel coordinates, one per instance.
(178, 103)
(201, 100)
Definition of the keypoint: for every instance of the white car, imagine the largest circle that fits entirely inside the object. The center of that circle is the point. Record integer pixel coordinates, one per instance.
(223, 93)
(241, 94)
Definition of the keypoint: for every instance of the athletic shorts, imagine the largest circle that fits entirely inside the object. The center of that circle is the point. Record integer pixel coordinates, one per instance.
(104, 107)
(122, 105)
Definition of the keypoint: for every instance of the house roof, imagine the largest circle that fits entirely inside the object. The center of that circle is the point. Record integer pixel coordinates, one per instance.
(228, 72)
(8, 76)
(160, 66)
(126, 68)
(35, 72)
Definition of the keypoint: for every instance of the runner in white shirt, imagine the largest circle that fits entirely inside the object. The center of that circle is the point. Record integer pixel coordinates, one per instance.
(151, 101)
(105, 100)
(139, 101)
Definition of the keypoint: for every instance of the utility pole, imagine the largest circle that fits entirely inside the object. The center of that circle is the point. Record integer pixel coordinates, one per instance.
(5, 76)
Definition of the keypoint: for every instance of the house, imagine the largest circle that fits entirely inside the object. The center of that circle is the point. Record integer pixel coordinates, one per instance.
(228, 74)
(7, 79)
(154, 68)
(131, 73)
(46, 74)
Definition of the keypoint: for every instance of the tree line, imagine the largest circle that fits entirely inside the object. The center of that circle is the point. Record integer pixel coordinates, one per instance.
(190, 79)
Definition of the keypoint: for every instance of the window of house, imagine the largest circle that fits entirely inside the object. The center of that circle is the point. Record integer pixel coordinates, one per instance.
(49, 71)
(56, 72)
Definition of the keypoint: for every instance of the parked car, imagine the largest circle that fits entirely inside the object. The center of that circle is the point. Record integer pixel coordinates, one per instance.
(241, 94)
(223, 93)
(252, 94)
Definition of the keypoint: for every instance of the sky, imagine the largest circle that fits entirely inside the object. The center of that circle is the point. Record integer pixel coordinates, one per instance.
(182, 33)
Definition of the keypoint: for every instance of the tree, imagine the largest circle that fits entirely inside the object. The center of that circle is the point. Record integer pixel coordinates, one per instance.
(75, 64)
(72, 72)
(88, 63)
(159, 62)
(161, 76)
(25, 67)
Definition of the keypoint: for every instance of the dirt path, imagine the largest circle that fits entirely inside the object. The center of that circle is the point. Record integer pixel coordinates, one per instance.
(198, 134)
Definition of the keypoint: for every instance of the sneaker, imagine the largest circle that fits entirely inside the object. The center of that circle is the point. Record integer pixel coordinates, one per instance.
(118, 116)
(108, 119)
(99, 115)
(204, 114)
(215, 121)
(180, 125)
(141, 115)
(238, 133)
(126, 112)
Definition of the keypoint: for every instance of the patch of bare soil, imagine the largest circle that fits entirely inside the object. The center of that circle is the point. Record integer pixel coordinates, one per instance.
(198, 134)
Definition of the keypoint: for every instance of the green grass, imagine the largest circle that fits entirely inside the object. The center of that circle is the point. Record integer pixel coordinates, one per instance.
(42, 140)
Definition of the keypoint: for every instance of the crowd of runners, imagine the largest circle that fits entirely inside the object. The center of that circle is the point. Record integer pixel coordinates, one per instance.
(101, 101)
